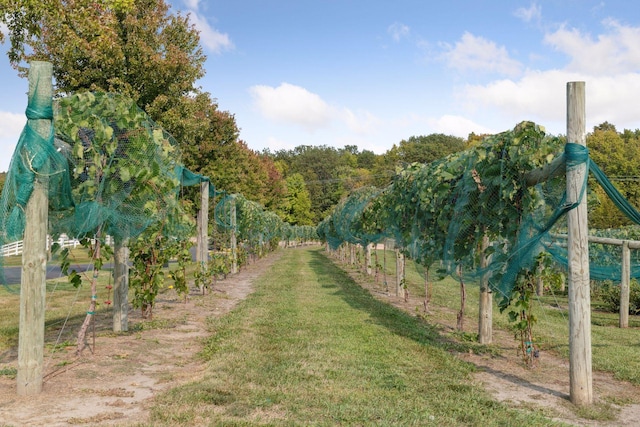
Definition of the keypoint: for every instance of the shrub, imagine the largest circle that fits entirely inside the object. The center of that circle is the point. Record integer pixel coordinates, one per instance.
(609, 293)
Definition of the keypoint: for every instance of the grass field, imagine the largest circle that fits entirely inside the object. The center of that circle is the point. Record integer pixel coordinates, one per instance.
(311, 347)
(613, 349)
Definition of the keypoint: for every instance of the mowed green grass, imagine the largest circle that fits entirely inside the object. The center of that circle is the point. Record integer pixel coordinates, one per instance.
(311, 347)
(614, 349)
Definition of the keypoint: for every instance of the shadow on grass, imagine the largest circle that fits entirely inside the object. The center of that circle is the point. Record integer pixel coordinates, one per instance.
(392, 318)
(401, 323)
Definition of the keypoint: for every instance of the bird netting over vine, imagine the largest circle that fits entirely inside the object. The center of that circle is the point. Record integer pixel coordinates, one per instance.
(109, 168)
(488, 211)
(255, 225)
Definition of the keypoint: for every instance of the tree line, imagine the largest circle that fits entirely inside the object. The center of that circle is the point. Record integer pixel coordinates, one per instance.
(141, 49)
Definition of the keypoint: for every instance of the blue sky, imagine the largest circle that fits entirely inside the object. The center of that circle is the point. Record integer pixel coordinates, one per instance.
(371, 73)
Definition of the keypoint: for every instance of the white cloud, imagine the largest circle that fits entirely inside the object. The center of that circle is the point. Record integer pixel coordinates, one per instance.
(292, 104)
(479, 54)
(533, 13)
(456, 125)
(608, 63)
(617, 51)
(537, 93)
(362, 122)
(211, 38)
(398, 31)
(541, 96)
(11, 125)
(192, 4)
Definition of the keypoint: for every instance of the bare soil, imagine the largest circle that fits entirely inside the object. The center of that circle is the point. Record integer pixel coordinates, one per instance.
(116, 384)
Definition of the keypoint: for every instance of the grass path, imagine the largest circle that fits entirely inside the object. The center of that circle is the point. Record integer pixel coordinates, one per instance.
(310, 347)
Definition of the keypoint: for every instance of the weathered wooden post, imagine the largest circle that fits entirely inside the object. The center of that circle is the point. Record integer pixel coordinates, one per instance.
(367, 259)
(485, 309)
(202, 239)
(34, 256)
(234, 243)
(580, 371)
(400, 279)
(121, 285)
(625, 283)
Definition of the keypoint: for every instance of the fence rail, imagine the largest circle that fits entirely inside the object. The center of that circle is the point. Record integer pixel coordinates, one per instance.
(15, 248)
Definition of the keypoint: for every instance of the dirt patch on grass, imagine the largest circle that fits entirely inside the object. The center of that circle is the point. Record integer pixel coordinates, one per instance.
(113, 386)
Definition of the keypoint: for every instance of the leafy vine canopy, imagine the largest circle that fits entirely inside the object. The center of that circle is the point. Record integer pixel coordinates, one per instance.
(122, 166)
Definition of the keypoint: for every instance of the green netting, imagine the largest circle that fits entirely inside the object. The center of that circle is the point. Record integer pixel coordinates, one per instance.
(110, 170)
(254, 225)
(35, 156)
(509, 192)
(122, 167)
(188, 179)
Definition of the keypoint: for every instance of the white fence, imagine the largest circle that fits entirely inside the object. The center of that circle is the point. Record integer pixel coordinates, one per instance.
(15, 248)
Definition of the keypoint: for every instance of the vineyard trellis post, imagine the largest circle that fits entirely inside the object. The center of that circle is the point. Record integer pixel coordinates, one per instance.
(580, 369)
(485, 310)
(34, 255)
(400, 278)
(233, 243)
(367, 259)
(625, 283)
(202, 239)
(121, 285)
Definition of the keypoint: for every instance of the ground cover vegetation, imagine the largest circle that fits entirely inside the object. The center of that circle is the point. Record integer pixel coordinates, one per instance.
(318, 349)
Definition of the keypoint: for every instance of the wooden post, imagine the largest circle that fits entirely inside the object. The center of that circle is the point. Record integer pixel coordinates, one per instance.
(625, 282)
(234, 243)
(121, 285)
(399, 273)
(34, 257)
(367, 259)
(539, 281)
(580, 370)
(202, 239)
(485, 311)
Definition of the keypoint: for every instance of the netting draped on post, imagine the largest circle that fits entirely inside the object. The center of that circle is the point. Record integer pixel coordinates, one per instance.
(509, 188)
(110, 170)
(33, 156)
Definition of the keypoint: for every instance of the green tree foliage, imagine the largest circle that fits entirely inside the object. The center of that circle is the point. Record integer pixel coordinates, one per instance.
(3, 177)
(139, 49)
(416, 149)
(296, 207)
(426, 149)
(329, 173)
(618, 155)
(211, 146)
(134, 47)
